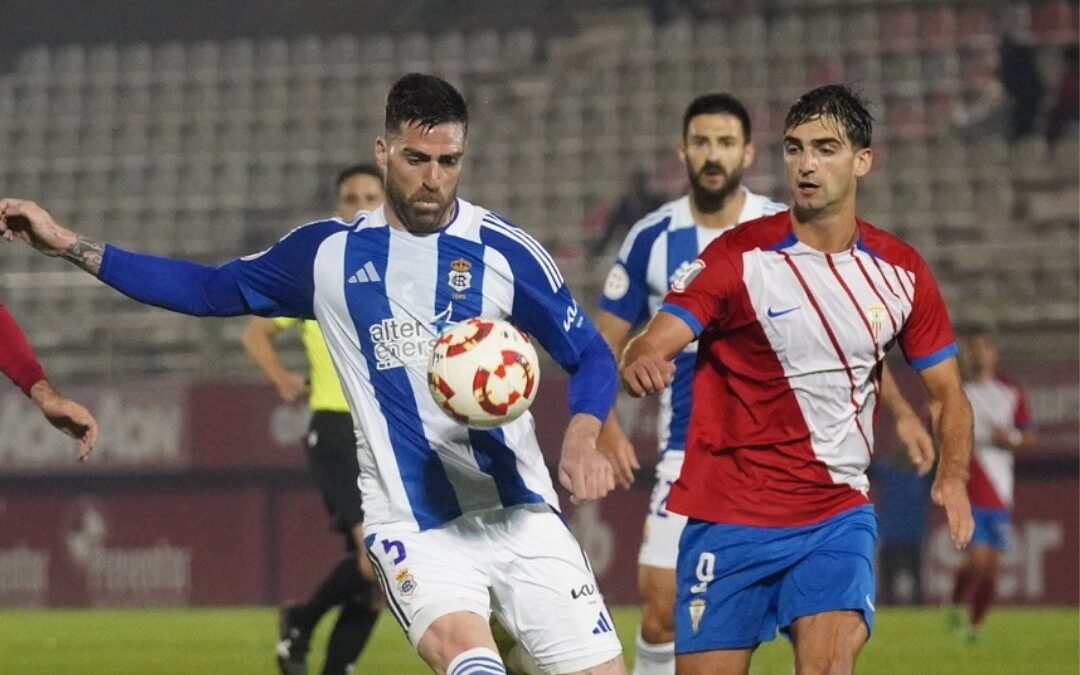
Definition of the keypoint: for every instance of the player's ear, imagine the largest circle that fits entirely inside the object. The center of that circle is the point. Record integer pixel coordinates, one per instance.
(680, 150)
(381, 149)
(748, 155)
(864, 158)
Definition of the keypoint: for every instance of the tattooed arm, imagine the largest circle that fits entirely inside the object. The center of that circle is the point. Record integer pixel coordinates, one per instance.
(276, 282)
(27, 221)
(86, 253)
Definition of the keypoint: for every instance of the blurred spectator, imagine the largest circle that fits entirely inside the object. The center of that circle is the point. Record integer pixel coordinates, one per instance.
(903, 506)
(638, 200)
(1066, 108)
(1019, 73)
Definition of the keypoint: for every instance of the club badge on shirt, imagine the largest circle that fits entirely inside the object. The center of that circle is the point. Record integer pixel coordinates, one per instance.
(460, 279)
(687, 275)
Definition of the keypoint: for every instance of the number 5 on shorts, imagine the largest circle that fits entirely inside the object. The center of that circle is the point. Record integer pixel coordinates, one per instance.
(706, 567)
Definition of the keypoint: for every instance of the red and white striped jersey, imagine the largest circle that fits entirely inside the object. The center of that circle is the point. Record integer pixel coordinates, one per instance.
(789, 367)
(996, 404)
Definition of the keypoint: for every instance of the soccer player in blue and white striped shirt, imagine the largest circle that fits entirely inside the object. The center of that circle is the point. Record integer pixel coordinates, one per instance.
(458, 522)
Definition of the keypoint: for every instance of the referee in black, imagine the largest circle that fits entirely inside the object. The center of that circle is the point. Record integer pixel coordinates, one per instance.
(331, 454)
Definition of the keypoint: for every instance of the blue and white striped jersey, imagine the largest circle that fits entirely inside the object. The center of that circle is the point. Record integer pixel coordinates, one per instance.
(381, 297)
(655, 251)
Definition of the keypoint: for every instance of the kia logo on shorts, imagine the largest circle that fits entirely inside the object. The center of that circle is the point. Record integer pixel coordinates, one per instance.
(584, 591)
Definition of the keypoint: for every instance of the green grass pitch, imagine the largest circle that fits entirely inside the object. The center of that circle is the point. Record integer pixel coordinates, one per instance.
(240, 642)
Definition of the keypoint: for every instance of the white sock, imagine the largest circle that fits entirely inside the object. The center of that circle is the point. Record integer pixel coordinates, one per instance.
(478, 661)
(658, 659)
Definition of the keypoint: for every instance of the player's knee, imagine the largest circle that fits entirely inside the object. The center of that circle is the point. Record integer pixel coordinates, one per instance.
(833, 662)
(657, 625)
(477, 661)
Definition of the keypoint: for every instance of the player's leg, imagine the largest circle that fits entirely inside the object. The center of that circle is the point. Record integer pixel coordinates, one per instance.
(715, 662)
(826, 601)
(356, 619)
(335, 467)
(991, 536)
(458, 643)
(828, 643)
(437, 588)
(961, 593)
(330, 448)
(655, 641)
(985, 564)
(546, 594)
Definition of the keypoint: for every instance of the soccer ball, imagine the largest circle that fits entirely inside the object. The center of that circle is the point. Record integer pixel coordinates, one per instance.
(483, 372)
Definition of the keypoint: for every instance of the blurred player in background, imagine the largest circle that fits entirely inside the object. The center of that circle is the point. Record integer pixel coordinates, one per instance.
(794, 313)
(458, 521)
(716, 148)
(18, 363)
(1003, 425)
(331, 453)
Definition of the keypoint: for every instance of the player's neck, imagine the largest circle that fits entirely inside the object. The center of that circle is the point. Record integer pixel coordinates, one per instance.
(728, 214)
(828, 232)
(984, 375)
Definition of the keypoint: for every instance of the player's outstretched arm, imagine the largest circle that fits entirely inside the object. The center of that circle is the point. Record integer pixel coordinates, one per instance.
(67, 416)
(25, 220)
(177, 285)
(954, 426)
(258, 342)
(909, 428)
(646, 366)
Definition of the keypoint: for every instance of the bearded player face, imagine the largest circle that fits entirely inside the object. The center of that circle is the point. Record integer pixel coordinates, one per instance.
(716, 153)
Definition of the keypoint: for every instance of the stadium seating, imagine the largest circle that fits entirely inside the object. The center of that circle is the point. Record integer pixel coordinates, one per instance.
(210, 150)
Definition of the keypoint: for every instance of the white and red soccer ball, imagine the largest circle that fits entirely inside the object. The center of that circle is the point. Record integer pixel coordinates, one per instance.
(483, 372)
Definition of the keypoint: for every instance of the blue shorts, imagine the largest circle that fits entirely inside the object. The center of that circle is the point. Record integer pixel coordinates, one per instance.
(992, 527)
(738, 584)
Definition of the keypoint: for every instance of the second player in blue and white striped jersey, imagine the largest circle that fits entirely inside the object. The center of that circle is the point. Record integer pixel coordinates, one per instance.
(655, 251)
(716, 149)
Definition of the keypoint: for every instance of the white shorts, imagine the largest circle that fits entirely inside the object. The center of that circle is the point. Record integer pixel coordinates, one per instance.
(660, 542)
(521, 562)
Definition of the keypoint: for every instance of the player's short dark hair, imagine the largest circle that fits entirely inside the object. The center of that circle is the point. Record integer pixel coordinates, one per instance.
(839, 103)
(424, 100)
(358, 170)
(717, 104)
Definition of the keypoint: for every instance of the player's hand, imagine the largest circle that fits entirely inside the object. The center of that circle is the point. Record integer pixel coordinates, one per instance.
(951, 494)
(67, 416)
(291, 387)
(917, 442)
(620, 453)
(25, 220)
(1007, 438)
(583, 470)
(648, 373)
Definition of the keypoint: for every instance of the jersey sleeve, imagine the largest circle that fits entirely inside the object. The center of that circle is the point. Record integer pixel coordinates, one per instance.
(701, 294)
(1022, 417)
(544, 308)
(276, 282)
(626, 290)
(17, 359)
(927, 337)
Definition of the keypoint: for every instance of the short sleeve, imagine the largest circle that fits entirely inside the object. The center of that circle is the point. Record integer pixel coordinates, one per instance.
(700, 295)
(1022, 418)
(927, 337)
(626, 289)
